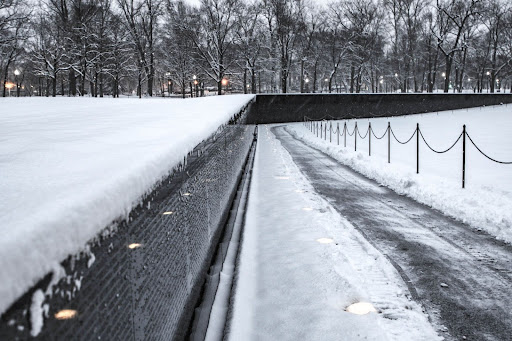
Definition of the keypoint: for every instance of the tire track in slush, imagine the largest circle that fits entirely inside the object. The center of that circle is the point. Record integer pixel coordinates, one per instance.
(427, 248)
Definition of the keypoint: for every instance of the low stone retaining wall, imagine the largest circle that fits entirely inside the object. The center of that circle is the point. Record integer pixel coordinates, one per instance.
(293, 108)
(142, 278)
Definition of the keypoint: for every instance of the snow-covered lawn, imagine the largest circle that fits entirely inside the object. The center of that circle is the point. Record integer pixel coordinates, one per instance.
(302, 265)
(485, 203)
(70, 166)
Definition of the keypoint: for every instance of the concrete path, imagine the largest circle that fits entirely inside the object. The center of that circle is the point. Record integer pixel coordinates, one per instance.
(462, 277)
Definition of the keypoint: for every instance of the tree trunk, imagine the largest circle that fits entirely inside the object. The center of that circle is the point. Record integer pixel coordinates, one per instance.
(449, 60)
(72, 83)
(6, 71)
(352, 76)
(139, 84)
(315, 76)
(302, 76)
(95, 84)
(245, 81)
(253, 81)
(101, 85)
(54, 86)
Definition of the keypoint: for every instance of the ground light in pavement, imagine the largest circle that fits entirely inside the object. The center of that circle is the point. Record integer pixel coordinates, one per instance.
(325, 240)
(134, 246)
(168, 212)
(282, 177)
(187, 194)
(66, 314)
(299, 191)
(361, 308)
(307, 208)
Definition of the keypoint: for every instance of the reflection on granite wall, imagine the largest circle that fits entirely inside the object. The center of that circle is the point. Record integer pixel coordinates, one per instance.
(141, 279)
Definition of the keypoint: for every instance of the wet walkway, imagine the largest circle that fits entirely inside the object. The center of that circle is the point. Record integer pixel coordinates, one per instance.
(462, 277)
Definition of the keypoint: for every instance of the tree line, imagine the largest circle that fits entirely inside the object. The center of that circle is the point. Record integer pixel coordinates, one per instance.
(168, 47)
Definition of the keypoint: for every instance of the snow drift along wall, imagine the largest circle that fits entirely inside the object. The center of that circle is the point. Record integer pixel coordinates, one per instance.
(280, 108)
(141, 279)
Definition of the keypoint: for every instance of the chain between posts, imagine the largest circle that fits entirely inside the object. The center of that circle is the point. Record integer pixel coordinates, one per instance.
(389, 131)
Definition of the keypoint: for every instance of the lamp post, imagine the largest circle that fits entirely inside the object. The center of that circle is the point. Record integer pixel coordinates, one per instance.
(9, 86)
(194, 77)
(16, 74)
(194, 80)
(169, 83)
(224, 83)
(307, 84)
(488, 81)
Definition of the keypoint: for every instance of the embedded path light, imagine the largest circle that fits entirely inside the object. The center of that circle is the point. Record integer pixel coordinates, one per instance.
(307, 208)
(325, 240)
(66, 314)
(168, 212)
(134, 246)
(361, 308)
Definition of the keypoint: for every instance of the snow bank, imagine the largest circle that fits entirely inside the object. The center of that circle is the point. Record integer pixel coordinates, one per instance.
(485, 203)
(71, 166)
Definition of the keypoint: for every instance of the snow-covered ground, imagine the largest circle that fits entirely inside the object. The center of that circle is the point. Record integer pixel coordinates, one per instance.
(302, 265)
(485, 203)
(71, 166)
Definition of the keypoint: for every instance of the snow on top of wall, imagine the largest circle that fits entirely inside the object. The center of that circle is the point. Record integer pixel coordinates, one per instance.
(71, 166)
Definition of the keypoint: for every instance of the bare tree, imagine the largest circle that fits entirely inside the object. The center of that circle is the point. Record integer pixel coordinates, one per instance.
(452, 18)
(177, 48)
(281, 17)
(141, 18)
(249, 41)
(13, 34)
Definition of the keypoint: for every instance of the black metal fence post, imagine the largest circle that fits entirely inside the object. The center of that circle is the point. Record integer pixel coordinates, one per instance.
(316, 129)
(389, 142)
(369, 138)
(330, 132)
(464, 156)
(338, 132)
(321, 128)
(345, 134)
(325, 131)
(417, 148)
(355, 137)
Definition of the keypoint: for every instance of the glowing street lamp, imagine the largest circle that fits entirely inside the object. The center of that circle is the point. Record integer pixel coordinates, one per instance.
(224, 83)
(16, 74)
(9, 86)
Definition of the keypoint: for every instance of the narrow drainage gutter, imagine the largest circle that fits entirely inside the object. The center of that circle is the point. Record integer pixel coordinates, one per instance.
(210, 316)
